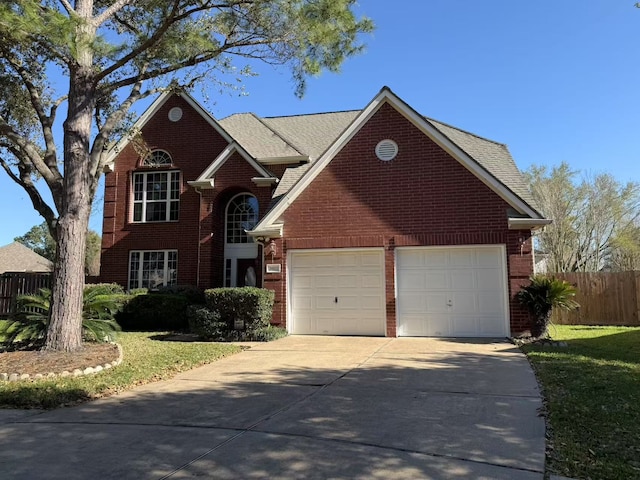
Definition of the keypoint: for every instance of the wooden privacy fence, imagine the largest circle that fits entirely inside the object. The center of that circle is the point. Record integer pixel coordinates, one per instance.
(13, 284)
(605, 298)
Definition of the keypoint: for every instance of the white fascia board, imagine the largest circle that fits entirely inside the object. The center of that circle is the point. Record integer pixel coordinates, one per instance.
(275, 213)
(528, 223)
(137, 126)
(153, 109)
(284, 160)
(264, 181)
(274, 231)
(202, 184)
(456, 152)
(206, 115)
(226, 155)
(386, 95)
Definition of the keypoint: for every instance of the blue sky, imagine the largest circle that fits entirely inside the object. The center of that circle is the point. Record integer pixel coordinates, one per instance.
(555, 81)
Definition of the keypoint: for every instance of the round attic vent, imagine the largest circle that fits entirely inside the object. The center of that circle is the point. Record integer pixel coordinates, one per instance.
(386, 150)
(175, 114)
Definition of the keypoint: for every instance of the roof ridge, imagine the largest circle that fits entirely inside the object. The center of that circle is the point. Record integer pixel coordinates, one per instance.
(312, 114)
(285, 140)
(480, 137)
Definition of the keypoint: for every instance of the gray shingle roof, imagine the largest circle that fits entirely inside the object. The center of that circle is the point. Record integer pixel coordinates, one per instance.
(493, 156)
(15, 257)
(311, 135)
(256, 138)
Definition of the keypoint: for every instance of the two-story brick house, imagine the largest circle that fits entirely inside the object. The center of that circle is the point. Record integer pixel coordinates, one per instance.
(368, 222)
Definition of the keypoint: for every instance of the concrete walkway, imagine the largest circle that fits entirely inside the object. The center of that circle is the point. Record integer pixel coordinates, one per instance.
(302, 407)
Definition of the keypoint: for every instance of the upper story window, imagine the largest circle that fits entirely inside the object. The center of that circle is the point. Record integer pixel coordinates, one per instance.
(158, 158)
(242, 214)
(156, 196)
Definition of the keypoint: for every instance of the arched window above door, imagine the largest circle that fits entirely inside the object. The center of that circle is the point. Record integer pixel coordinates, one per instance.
(242, 214)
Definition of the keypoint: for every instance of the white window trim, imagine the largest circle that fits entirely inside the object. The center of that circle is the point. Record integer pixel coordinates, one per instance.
(144, 200)
(140, 269)
(235, 251)
(147, 162)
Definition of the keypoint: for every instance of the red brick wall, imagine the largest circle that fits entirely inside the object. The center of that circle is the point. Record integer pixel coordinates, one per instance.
(193, 145)
(422, 197)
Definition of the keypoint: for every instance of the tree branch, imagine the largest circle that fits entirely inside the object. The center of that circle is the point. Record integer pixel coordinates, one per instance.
(24, 180)
(109, 12)
(67, 6)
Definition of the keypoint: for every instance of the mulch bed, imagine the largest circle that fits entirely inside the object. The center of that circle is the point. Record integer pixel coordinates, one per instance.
(34, 362)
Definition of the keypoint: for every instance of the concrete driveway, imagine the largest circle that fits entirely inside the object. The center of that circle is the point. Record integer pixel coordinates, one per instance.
(302, 407)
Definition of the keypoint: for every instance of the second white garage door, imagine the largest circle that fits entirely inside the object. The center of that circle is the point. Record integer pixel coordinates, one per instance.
(336, 292)
(452, 292)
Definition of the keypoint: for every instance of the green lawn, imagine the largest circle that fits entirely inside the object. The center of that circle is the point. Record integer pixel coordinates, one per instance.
(145, 360)
(592, 389)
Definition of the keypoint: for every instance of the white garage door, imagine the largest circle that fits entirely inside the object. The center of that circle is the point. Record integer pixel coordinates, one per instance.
(336, 292)
(452, 292)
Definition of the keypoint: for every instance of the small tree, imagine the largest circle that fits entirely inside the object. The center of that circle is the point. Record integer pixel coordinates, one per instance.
(541, 296)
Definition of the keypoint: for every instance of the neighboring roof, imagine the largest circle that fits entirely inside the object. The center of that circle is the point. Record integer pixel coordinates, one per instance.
(15, 257)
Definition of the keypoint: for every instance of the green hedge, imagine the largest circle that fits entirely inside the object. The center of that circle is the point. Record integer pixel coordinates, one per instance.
(154, 312)
(103, 288)
(251, 306)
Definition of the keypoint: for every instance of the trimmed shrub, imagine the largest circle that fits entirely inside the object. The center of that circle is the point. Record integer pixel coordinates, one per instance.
(205, 323)
(250, 306)
(267, 334)
(154, 312)
(195, 295)
(138, 291)
(103, 289)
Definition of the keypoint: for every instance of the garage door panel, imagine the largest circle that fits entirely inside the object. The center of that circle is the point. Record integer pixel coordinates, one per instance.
(491, 325)
(432, 259)
(464, 303)
(438, 326)
(461, 258)
(436, 302)
(488, 278)
(465, 325)
(436, 280)
(354, 277)
(373, 259)
(463, 293)
(371, 281)
(463, 280)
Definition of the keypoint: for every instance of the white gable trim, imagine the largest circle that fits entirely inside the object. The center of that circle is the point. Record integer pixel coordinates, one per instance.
(225, 155)
(150, 113)
(387, 96)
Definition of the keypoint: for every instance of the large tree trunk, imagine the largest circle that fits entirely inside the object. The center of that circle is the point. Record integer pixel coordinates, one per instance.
(65, 325)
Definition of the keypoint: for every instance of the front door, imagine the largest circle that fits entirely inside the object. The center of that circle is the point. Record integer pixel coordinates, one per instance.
(247, 275)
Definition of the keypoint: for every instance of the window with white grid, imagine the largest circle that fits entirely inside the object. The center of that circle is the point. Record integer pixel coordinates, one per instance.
(153, 268)
(156, 196)
(242, 214)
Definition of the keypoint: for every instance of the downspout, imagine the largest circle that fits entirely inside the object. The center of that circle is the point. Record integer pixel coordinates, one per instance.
(199, 191)
(260, 242)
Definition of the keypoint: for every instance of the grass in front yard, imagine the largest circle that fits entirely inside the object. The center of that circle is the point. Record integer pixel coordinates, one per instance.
(592, 389)
(145, 360)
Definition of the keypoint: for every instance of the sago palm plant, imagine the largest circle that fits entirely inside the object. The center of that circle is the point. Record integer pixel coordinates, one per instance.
(541, 296)
(28, 326)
